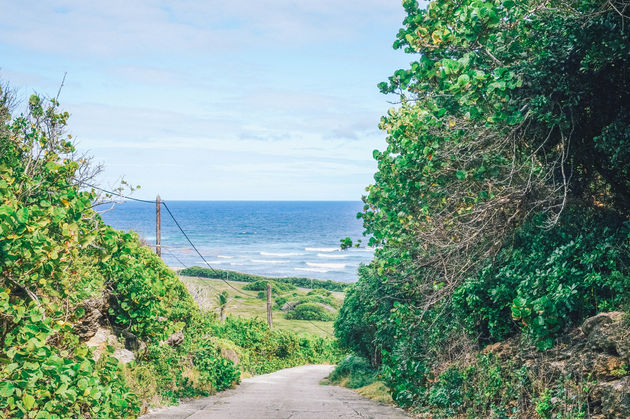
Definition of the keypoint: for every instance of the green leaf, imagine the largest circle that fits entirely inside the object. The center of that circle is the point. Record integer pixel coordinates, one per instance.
(461, 174)
(6, 389)
(28, 401)
(463, 80)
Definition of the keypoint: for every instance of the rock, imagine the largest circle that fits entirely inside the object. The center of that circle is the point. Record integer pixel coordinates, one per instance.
(602, 366)
(609, 333)
(105, 337)
(175, 339)
(89, 323)
(230, 354)
(601, 319)
(615, 398)
(102, 338)
(132, 342)
(124, 356)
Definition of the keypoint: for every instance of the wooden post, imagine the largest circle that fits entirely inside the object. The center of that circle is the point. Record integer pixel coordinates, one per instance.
(158, 226)
(269, 318)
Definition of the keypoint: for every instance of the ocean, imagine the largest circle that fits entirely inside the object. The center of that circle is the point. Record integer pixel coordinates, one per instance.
(273, 238)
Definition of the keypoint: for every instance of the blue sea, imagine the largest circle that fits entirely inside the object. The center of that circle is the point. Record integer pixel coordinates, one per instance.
(274, 238)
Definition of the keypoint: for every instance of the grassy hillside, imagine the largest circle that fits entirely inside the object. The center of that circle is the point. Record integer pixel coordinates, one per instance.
(204, 289)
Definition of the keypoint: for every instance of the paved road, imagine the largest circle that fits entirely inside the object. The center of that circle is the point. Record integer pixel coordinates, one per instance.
(291, 393)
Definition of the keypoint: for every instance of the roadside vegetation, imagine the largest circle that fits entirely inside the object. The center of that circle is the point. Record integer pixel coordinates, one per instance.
(500, 210)
(92, 323)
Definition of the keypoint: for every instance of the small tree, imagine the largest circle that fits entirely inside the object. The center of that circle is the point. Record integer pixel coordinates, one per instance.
(222, 301)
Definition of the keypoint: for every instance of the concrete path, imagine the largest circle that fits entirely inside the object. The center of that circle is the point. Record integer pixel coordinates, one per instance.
(291, 393)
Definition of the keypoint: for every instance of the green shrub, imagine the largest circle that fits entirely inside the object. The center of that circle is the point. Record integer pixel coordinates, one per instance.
(281, 301)
(310, 311)
(276, 287)
(41, 379)
(549, 280)
(269, 350)
(447, 392)
(320, 291)
(356, 370)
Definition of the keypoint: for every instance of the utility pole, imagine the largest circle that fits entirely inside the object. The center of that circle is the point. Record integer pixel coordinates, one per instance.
(269, 318)
(158, 226)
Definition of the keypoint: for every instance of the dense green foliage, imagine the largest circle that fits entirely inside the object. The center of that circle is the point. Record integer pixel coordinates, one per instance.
(54, 380)
(268, 350)
(501, 203)
(62, 267)
(546, 281)
(276, 287)
(354, 372)
(244, 277)
(318, 304)
(310, 311)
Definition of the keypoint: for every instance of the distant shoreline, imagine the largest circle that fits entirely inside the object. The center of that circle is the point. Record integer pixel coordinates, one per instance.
(303, 282)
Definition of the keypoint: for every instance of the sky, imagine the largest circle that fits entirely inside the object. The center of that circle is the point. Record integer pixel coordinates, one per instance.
(214, 100)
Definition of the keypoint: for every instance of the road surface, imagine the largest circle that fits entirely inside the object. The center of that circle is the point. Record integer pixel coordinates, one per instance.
(291, 393)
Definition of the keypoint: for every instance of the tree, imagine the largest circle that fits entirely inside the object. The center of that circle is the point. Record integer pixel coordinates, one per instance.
(222, 302)
(512, 122)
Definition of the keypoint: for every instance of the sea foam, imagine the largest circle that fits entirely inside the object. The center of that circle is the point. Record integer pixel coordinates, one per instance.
(327, 265)
(324, 255)
(269, 261)
(319, 270)
(280, 254)
(322, 249)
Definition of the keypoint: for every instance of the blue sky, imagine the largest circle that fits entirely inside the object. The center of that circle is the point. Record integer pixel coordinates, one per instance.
(205, 100)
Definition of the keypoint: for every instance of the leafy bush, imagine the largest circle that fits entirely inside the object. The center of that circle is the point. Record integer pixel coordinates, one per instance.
(500, 206)
(354, 371)
(40, 378)
(276, 287)
(298, 300)
(549, 280)
(310, 311)
(320, 291)
(281, 301)
(269, 350)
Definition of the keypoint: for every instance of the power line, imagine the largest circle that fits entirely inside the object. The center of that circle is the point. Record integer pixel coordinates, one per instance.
(118, 194)
(184, 265)
(190, 242)
(199, 253)
(176, 258)
(325, 331)
(178, 226)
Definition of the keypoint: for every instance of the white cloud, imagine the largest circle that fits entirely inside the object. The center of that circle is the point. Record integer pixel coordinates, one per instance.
(222, 99)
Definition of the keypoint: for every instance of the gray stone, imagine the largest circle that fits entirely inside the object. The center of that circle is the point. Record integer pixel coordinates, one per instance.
(230, 354)
(89, 323)
(175, 339)
(102, 338)
(615, 398)
(124, 356)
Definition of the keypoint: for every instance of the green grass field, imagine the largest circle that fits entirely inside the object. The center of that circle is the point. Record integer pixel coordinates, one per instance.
(204, 291)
